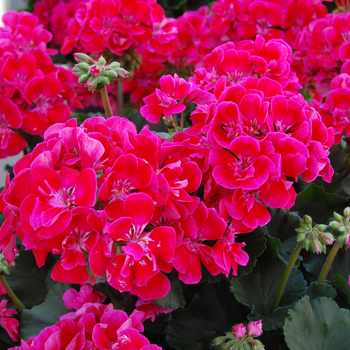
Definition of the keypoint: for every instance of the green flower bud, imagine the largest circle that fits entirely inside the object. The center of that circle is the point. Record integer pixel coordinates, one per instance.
(83, 78)
(83, 66)
(334, 225)
(322, 227)
(337, 217)
(114, 65)
(347, 211)
(301, 237)
(218, 340)
(112, 74)
(101, 61)
(307, 219)
(105, 80)
(306, 244)
(82, 57)
(341, 229)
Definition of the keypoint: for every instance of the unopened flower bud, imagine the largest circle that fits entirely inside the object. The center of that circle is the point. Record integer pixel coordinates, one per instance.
(83, 78)
(114, 65)
(301, 237)
(112, 74)
(306, 244)
(327, 238)
(218, 340)
(337, 217)
(83, 66)
(322, 227)
(334, 225)
(239, 330)
(105, 81)
(316, 246)
(307, 219)
(341, 229)
(255, 328)
(347, 211)
(82, 57)
(101, 61)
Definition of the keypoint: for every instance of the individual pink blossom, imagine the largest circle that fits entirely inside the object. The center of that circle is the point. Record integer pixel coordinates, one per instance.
(150, 309)
(7, 322)
(75, 300)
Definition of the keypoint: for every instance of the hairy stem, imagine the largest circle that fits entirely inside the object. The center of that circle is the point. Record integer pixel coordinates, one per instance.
(11, 294)
(106, 103)
(285, 276)
(328, 263)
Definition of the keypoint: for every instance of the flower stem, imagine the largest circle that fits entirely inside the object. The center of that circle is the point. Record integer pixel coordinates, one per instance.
(182, 121)
(285, 276)
(175, 123)
(328, 263)
(106, 103)
(11, 294)
(120, 97)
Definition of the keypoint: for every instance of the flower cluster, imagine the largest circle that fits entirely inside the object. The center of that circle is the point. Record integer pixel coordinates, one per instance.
(253, 133)
(144, 221)
(92, 326)
(34, 92)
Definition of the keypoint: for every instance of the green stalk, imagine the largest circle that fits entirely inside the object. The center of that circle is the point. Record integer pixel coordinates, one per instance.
(285, 276)
(182, 121)
(328, 263)
(11, 294)
(106, 103)
(175, 123)
(120, 97)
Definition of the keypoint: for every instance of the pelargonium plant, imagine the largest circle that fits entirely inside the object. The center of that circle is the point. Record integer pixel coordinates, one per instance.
(184, 180)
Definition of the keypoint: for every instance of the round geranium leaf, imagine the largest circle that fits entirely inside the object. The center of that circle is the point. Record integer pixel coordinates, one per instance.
(319, 324)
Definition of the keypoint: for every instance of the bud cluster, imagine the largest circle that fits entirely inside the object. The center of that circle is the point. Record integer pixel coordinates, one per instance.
(97, 74)
(313, 236)
(341, 227)
(241, 338)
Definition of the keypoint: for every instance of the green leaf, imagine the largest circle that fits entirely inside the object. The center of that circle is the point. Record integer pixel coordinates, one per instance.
(272, 246)
(212, 312)
(315, 290)
(273, 321)
(283, 224)
(316, 193)
(175, 298)
(342, 286)
(319, 324)
(27, 280)
(255, 245)
(264, 281)
(44, 315)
